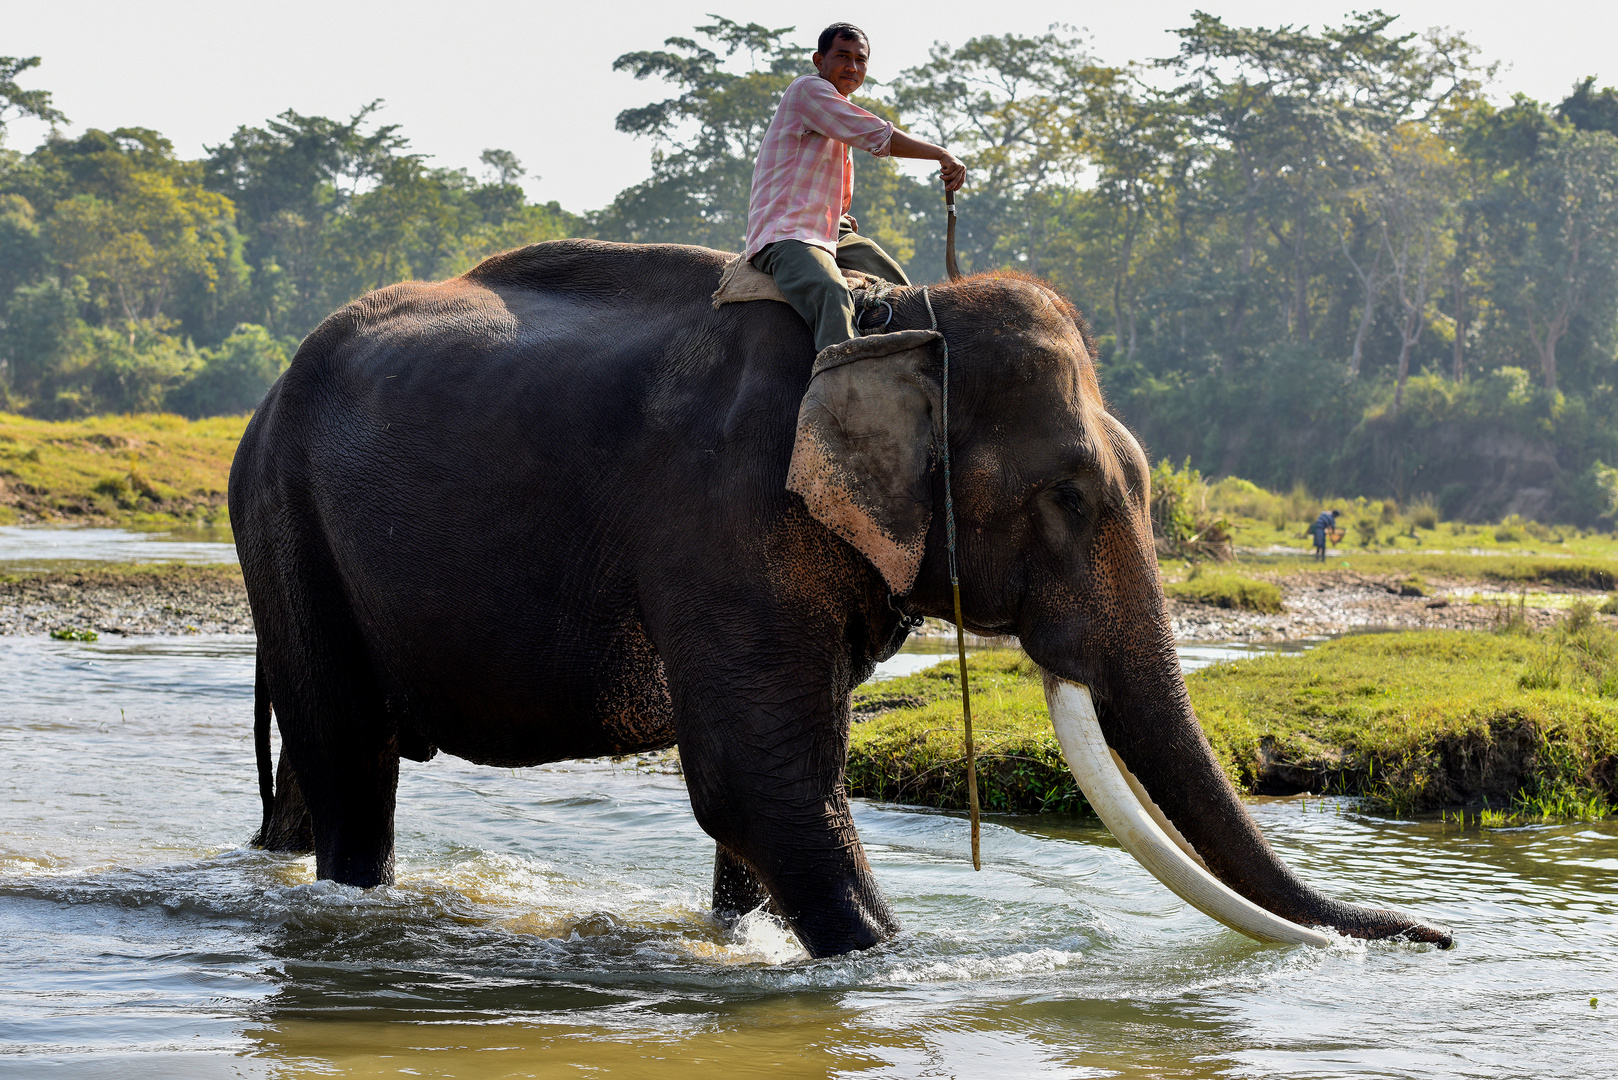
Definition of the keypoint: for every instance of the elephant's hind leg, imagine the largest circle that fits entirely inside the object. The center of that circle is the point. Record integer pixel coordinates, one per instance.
(287, 827)
(346, 764)
(336, 734)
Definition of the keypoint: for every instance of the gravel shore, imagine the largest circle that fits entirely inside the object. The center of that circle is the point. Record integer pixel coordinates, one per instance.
(165, 599)
(174, 599)
(1342, 601)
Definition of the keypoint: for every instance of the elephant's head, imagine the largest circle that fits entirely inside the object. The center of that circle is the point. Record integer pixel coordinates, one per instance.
(1051, 498)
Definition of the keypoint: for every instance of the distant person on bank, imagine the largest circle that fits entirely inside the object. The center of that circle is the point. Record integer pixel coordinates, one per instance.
(1323, 527)
(798, 227)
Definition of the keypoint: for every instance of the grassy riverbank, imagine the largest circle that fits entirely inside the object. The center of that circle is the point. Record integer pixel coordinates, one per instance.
(1598, 571)
(154, 469)
(1517, 725)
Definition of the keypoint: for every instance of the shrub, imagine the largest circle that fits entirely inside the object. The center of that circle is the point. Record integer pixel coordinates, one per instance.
(123, 369)
(1581, 616)
(233, 377)
(1411, 586)
(1180, 517)
(1424, 515)
(1227, 590)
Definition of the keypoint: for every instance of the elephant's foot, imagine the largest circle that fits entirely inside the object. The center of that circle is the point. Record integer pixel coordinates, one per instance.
(847, 923)
(851, 919)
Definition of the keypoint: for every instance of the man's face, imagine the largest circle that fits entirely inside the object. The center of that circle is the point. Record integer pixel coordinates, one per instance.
(844, 66)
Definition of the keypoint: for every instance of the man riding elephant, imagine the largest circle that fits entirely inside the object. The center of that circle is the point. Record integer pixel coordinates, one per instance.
(798, 228)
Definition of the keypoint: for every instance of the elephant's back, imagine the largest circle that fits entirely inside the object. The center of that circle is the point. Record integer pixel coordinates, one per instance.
(591, 334)
(520, 408)
(654, 276)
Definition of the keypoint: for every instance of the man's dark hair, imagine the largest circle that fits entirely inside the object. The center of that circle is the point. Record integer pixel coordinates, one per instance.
(840, 30)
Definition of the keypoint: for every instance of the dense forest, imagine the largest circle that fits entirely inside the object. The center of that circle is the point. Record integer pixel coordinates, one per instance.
(1311, 257)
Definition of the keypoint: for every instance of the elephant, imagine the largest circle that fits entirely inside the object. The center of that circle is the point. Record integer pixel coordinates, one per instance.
(563, 507)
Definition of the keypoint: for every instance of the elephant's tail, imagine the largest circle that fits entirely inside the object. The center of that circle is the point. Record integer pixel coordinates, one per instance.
(261, 745)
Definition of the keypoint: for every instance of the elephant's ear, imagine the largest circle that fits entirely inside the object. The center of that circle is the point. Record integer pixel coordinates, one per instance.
(863, 456)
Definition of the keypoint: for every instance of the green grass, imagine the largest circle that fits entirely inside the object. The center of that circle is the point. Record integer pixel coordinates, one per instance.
(1525, 726)
(1510, 571)
(914, 753)
(1226, 590)
(147, 469)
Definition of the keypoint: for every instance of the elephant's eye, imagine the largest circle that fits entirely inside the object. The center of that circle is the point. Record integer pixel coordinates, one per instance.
(1070, 498)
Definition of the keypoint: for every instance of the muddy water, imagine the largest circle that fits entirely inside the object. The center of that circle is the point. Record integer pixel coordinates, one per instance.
(552, 922)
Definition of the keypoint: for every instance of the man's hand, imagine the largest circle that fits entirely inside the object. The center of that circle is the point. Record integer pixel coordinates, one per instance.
(949, 166)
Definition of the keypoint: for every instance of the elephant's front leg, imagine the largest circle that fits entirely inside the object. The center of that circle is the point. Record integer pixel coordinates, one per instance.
(763, 748)
(736, 889)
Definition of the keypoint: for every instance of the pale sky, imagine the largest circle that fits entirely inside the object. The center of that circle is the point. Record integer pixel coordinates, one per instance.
(537, 78)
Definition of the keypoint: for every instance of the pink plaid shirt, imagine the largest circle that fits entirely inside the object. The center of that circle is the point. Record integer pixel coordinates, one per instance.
(803, 181)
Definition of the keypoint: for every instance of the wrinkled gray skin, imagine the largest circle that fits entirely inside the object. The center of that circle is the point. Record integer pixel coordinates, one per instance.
(561, 507)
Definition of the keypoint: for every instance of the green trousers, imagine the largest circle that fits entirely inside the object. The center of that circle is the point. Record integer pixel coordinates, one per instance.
(812, 283)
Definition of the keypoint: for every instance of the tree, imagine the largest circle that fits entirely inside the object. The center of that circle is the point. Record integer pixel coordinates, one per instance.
(1010, 107)
(15, 102)
(137, 251)
(1416, 199)
(40, 332)
(22, 249)
(1133, 138)
(504, 168)
(1570, 206)
(1590, 110)
(292, 180)
(705, 138)
(1369, 228)
(1283, 117)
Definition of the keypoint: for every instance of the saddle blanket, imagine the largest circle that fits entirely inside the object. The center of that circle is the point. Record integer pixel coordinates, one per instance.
(742, 281)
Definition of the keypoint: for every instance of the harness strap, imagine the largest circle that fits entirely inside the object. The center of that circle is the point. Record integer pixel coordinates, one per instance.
(955, 588)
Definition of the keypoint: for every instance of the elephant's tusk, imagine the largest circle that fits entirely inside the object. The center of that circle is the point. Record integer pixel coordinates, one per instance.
(1143, 829)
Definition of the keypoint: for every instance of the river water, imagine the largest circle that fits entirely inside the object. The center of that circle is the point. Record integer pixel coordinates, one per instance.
(553, 922)
(35, 547)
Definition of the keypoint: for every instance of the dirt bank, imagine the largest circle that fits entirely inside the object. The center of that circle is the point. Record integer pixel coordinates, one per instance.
(165, 599)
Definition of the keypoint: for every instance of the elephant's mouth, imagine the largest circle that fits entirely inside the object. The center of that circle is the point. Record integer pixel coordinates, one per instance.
(1145, 831)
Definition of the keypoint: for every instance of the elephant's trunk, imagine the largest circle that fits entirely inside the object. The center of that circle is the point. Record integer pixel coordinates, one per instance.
(1176, 812)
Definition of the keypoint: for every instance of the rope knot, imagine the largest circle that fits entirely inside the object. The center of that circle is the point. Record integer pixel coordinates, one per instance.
(873, 297)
